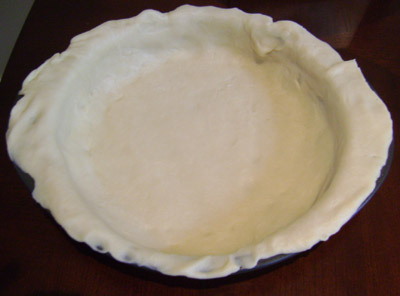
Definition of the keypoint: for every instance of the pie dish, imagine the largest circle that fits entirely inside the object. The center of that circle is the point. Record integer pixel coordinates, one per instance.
(199, 141)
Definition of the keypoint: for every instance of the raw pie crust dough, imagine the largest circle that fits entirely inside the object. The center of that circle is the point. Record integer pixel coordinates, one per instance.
(199, 141)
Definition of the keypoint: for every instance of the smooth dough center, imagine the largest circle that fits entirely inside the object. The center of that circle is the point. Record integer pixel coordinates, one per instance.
(210, 152)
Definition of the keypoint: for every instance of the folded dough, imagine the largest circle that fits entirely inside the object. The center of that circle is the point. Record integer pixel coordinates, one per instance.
(199, 141)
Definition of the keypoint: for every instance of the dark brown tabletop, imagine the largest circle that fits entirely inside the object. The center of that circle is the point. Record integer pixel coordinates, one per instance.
(38, 258)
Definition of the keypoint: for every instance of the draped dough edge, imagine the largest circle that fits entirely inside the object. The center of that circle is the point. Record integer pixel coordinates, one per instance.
(368, 135)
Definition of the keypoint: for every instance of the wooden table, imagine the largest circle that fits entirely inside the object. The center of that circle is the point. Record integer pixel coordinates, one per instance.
(38, 258)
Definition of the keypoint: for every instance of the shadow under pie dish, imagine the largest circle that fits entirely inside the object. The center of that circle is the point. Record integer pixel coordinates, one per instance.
(199, 141)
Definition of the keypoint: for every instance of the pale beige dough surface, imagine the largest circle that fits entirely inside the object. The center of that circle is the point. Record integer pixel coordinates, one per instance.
(199, 141)
(207, 155)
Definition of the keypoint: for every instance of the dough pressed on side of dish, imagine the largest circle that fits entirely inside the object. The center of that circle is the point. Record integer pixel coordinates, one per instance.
(199, 141)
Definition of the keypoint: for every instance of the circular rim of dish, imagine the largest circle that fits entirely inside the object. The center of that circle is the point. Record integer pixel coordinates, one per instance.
(348, 82)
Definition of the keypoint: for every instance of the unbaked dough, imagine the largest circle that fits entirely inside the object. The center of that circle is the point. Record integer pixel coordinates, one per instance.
(199, 141)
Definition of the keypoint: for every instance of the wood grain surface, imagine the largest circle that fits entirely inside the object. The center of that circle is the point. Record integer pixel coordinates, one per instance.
(38, 258)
